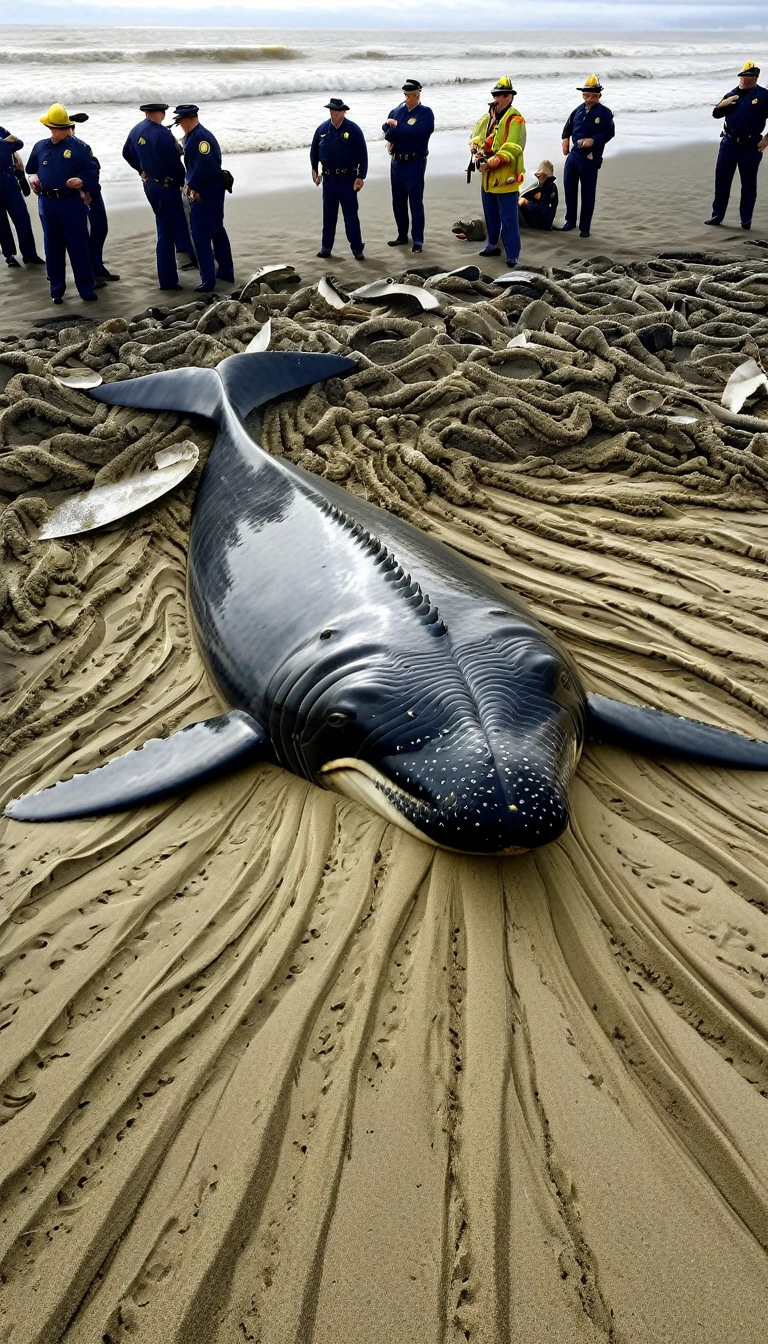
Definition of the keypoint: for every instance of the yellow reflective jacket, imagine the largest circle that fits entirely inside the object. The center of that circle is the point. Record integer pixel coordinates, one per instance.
(508, 143)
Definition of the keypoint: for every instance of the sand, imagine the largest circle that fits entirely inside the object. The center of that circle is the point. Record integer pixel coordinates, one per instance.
(647, 203)
(276, 1071)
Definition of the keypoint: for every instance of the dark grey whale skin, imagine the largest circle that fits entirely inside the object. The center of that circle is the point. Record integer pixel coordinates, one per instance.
(339, 633)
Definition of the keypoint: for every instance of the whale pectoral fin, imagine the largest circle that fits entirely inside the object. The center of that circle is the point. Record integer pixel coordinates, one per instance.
(651, 730)
(162, 766)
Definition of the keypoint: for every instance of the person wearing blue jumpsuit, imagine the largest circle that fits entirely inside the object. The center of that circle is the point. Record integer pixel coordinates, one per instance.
(98, 224)
(407, 131)
(154, 153)
(742, 142)
(205, 189)
(61, 172)
(585, 135)
(13, 207)
(339, 158)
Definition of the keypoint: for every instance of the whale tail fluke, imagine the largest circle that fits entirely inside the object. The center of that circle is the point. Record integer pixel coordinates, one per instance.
(651, 730)
(198, 391)
(241, 382)
(251, 380)
(163, 766)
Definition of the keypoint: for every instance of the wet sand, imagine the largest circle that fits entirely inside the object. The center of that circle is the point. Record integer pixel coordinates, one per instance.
(647, 203)
(276, 1071)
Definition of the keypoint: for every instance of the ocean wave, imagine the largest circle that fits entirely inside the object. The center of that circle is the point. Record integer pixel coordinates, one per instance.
(540, 53)
(370, 56)
(153, 55)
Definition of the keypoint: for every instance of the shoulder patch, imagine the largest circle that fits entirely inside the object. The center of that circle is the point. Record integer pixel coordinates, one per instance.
(204, 147)
(142, 141)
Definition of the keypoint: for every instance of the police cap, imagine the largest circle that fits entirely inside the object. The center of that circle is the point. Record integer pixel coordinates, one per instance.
(184, 110)
(337, 105)
(749, 69)
(411, 86)
(153, 107)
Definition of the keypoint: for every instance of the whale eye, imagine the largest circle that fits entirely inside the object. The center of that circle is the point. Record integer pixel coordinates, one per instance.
(337, 718)
(565, 681)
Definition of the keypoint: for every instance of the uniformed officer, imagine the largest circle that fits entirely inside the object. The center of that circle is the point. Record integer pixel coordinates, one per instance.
(741, 144)
(13, 207)
(407, 131)
(154, 153)
(205, 190)
(497, 144)
(61, 172)
(585, 135)
(339, 158)
(539, 202)
(98, 224)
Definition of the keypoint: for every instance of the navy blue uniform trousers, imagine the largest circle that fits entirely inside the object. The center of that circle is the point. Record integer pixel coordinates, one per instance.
(407, 182)
(98, 228)
(210, 237)
(171, 226)
(501, 217)
(580, 172)
(13, 207)
(65, 230)
(339, 191)
(747, 158)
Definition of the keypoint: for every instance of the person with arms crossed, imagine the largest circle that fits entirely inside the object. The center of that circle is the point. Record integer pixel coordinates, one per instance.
(742, 142)
(407, 131)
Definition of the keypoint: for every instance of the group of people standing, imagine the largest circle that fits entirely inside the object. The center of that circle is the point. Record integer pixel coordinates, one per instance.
(339, 160)
(185, 183)
(63, 173)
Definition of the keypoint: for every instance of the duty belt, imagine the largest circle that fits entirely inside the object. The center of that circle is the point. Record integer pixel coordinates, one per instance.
(336, 172)
(407, 158)
(60, 193)
(741, 139)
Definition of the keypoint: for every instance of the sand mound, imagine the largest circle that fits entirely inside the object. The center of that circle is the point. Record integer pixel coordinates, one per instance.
(274, 1071)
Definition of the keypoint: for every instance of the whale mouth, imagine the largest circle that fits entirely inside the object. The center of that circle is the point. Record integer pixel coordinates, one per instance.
(363, 783)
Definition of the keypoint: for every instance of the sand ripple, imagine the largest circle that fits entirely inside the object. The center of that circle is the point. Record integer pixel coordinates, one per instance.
(274, 1071)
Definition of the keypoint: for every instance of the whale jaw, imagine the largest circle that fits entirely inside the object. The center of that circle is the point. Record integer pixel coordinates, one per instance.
(363, 783)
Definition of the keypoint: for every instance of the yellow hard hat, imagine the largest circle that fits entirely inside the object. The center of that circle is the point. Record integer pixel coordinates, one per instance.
(749, 68)
(591, 85)
(57, 118)
(503, 85)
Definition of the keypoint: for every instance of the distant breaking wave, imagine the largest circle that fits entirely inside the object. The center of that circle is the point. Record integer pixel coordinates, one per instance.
(153, 56)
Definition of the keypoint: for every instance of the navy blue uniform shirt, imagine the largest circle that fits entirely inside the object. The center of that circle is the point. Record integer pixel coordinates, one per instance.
(590, 123)
(7, 151)
(339, 147)
(153, 149)
(203, 159)
(54, 164)
(745, 119)
(413, 129)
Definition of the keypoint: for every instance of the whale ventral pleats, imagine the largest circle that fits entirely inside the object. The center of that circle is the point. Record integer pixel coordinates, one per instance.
(409, 589)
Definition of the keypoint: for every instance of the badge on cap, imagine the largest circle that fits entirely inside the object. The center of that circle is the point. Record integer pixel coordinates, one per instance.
(411, 121)
(67, 153)
(204, 147)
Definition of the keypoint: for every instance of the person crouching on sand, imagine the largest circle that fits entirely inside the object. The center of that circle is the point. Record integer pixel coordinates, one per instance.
(497, 142)
(538, 203)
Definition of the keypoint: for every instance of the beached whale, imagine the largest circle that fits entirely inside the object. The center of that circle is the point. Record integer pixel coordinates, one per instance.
(360, 653)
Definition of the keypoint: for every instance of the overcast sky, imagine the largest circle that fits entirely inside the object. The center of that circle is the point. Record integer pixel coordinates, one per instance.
(508, 16)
